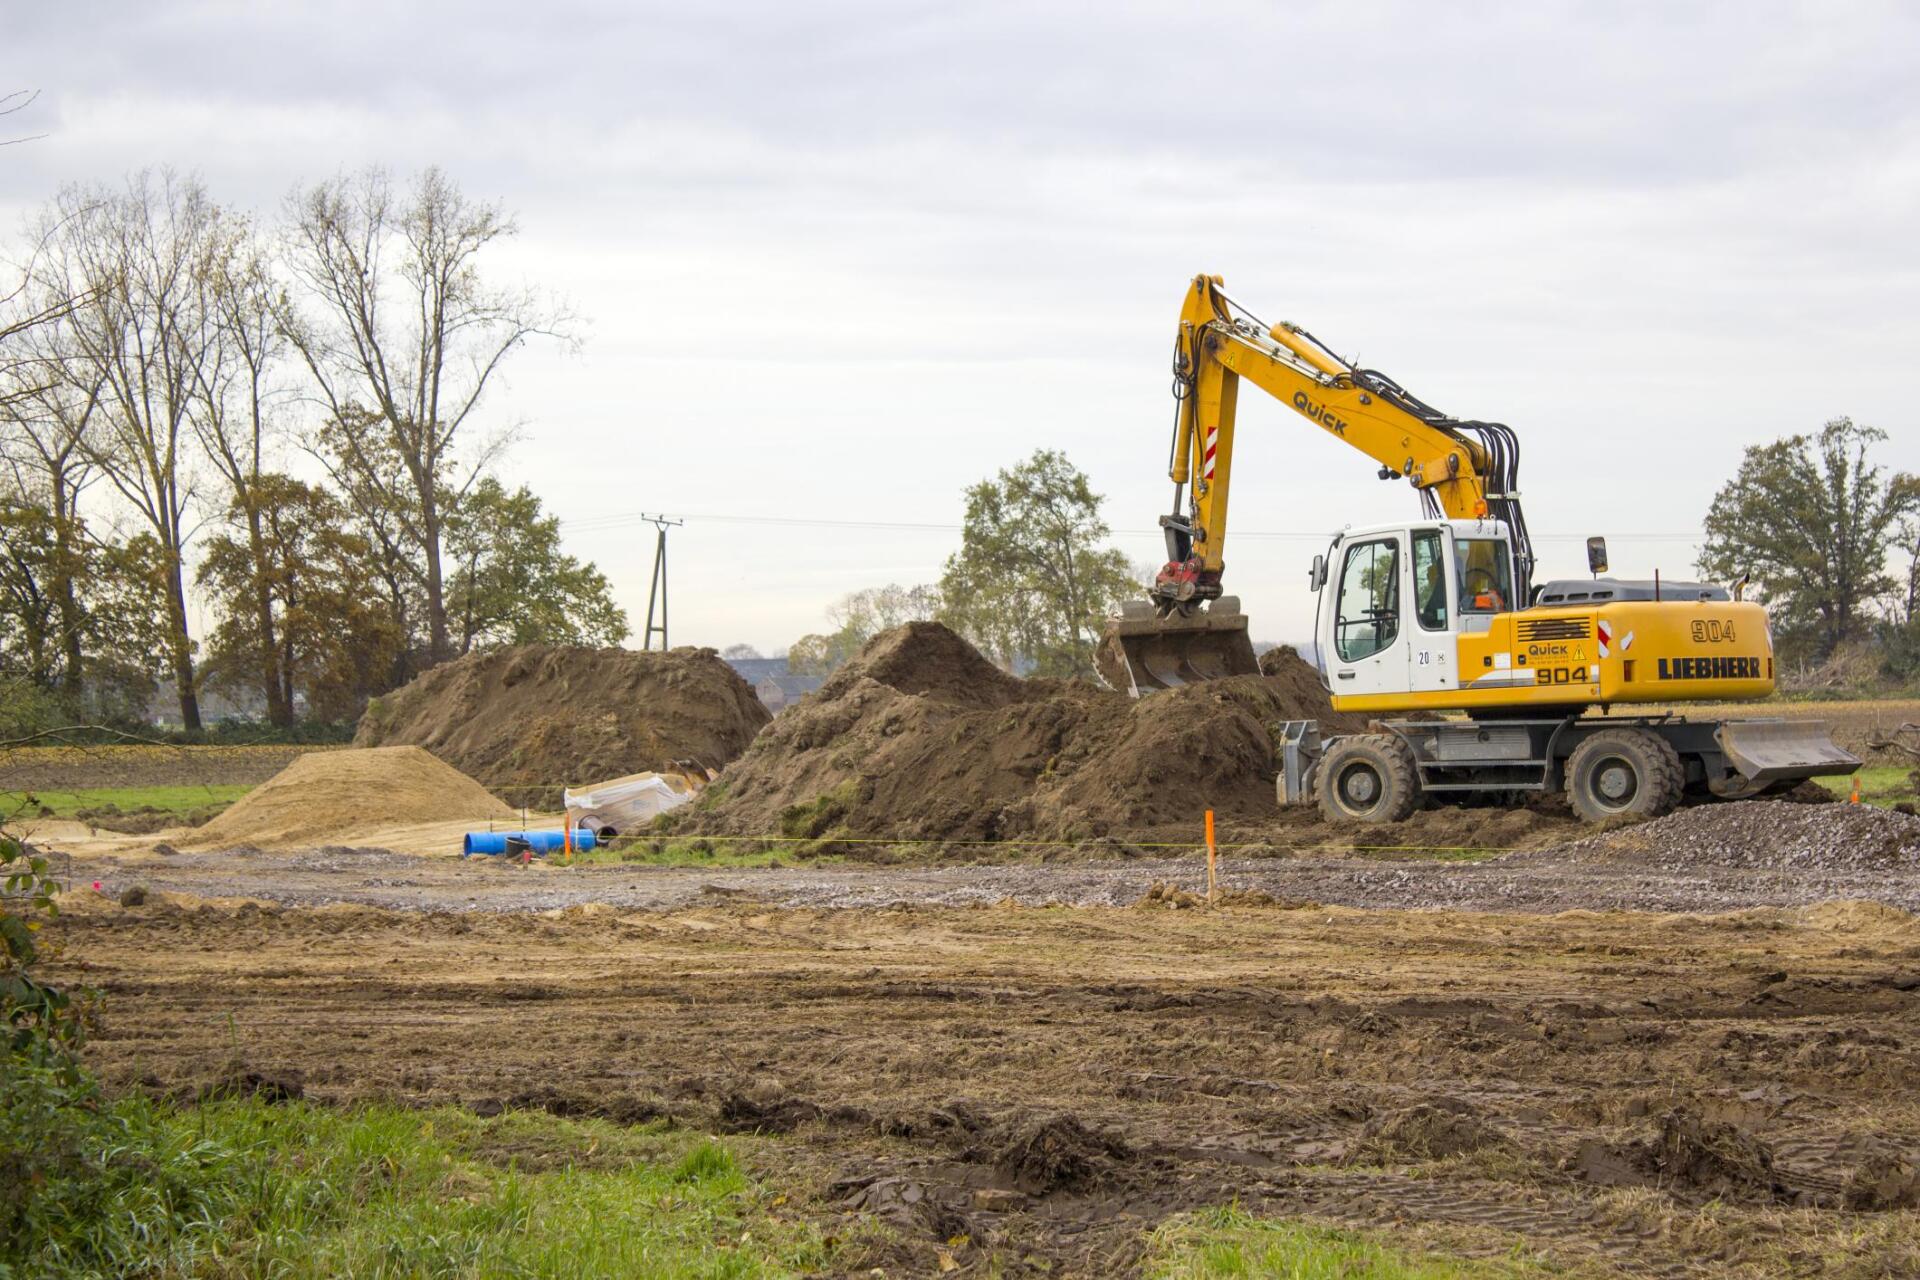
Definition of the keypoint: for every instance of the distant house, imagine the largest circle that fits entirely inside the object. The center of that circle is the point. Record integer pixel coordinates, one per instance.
(777, 687)
(216, 704)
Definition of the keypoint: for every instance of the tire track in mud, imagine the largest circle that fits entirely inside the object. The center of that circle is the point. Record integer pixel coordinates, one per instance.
(1657, 1096)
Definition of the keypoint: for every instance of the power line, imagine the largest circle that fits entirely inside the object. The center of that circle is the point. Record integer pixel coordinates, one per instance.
(594, 524)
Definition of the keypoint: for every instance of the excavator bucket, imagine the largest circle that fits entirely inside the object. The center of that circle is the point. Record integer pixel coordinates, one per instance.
(1782, 750)
(1142, 651)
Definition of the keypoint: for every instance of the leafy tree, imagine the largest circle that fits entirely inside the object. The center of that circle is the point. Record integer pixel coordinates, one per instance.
(1031, 580)
(740, 651)
(117, 616)
(859, 616)
(332, 638)
(1812, 519)
(510, 583)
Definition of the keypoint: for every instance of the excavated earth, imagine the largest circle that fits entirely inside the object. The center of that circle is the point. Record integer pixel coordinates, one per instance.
(1008, 1090)
(919, 737)
(528, 721)
(1683, 1048)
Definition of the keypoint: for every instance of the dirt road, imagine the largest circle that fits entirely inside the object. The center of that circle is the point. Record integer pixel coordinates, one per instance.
(1541, 881)
(1630, 1094)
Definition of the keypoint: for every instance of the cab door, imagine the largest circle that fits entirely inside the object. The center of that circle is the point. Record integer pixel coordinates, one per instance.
(1369, 650)
(1432, 631)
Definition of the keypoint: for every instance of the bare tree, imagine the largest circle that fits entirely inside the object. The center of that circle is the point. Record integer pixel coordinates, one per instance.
(235, 397)
(145, 332)
(402, 332)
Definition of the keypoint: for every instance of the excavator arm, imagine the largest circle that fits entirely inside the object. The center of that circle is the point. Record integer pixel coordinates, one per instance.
(1464, 470)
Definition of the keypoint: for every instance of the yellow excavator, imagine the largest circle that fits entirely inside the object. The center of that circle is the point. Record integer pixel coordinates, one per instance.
(1442, 615)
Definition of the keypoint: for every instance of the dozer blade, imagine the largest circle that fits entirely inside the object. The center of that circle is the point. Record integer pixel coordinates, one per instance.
(1779, 750)
(1143, 651)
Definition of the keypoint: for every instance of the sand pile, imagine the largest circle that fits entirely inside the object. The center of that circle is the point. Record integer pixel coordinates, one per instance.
(527, 721)
(335, 796)
(1760, 834)
(919, 737)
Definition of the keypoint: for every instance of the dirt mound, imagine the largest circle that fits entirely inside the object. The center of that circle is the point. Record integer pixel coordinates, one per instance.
(1052, 1153)
(919, 737)
(1762, 835)
(1718, 1158)
(529, 720)
(329, 795)
(1426, 1131)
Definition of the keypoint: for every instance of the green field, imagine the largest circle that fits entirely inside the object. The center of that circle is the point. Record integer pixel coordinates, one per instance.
(1879, 784)
(178, 800)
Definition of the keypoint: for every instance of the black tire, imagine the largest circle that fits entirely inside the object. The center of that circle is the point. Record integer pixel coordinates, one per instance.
(1624, 773)
(1368, 778)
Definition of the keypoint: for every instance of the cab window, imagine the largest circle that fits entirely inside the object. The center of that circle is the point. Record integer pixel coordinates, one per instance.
(1369, 615)
(1484, 574)
(1429, 580)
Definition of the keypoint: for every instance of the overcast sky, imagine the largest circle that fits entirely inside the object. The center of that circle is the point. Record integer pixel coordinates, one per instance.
(840, 260)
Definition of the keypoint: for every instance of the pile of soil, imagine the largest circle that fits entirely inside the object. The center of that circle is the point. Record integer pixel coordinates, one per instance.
(531, 720)
(919, 737)
(331, 796)
(1762, 835)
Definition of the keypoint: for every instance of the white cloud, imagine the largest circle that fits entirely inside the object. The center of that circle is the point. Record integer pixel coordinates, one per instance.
(842, 260)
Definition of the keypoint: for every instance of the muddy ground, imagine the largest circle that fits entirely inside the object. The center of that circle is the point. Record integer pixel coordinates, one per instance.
(1618, 1093)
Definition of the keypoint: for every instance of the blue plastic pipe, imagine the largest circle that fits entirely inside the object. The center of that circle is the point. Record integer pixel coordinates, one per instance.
(539, 841)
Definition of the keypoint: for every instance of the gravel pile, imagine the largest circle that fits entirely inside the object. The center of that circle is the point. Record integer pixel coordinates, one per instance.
(1761, 835)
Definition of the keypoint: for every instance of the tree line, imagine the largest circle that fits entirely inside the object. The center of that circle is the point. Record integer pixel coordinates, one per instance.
(283, 416)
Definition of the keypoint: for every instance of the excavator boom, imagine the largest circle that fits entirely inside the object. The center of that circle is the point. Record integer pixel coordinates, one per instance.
(1186, 630)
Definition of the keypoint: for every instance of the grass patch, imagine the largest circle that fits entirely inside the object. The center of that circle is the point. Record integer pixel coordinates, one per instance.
(1887, 784)
(177, 800)
(690, 851)
(1229, 1242)
(247, 1188)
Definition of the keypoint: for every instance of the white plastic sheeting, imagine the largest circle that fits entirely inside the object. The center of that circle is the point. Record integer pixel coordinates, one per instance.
(626, 804)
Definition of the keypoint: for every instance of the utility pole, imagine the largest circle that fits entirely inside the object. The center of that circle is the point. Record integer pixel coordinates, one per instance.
(657, 592)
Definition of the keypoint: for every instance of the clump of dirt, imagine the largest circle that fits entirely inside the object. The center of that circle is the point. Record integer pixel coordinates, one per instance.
(530, 720)
(1760, 834)
(1041, 1154)
(322, 798)
(1162, 894)
(1884, 1181)
(1426, 1131)
(1715, 1157)
(919, 737)
(1165, 895)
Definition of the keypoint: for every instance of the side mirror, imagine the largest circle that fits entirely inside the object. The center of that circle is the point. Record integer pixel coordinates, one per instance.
(1317, 575)
(1597, 555)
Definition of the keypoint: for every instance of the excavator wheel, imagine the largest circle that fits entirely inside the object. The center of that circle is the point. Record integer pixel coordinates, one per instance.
(1624, 773)
(1368, 778)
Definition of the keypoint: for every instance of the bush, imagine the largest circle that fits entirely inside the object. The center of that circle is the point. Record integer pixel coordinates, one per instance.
(88, 1188)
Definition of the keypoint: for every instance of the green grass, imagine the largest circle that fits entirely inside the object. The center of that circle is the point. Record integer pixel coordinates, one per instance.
(180, 800)
(1230, 1243)
(1886, 784)
(291, 1191)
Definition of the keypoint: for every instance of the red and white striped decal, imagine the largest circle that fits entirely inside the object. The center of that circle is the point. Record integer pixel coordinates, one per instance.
(1605, 632)
(1213, 444)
